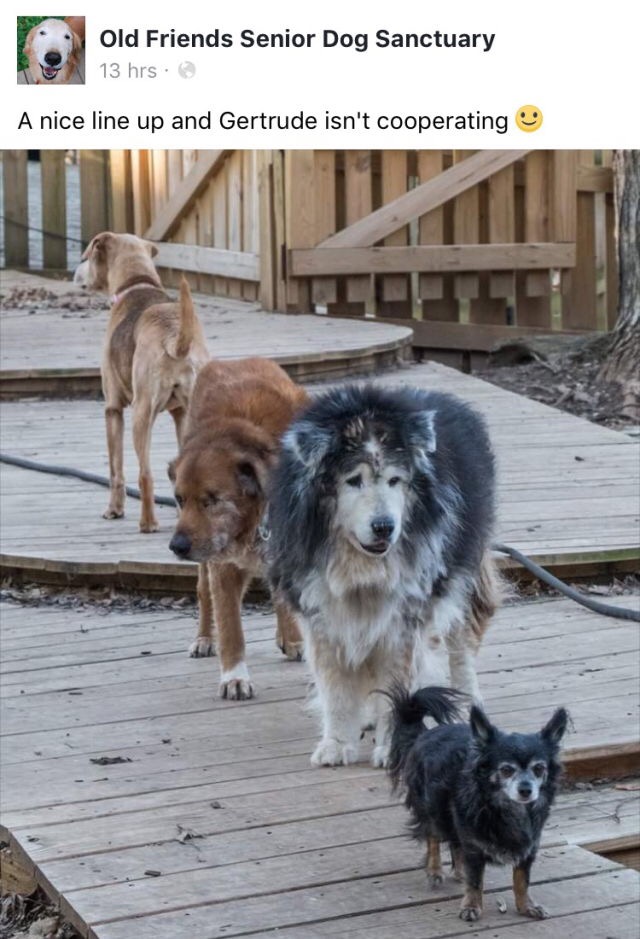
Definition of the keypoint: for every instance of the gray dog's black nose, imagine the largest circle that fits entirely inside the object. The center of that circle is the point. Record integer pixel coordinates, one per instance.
(53, 58)
(524, 790)
(383, 527)
(180, 544)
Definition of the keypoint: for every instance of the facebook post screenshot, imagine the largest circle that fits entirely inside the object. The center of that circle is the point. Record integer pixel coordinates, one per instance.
(319, 471)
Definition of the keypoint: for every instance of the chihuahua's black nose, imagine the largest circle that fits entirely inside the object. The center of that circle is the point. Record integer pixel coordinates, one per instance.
(180, 544)
(524, 790)
(53, 58)
(383, 526)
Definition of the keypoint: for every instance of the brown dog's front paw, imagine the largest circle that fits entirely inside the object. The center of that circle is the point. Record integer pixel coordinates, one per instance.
(435, 879)
(470, 913)
(235, 684)
(292, 650)
(533, 910)
(202, 647)
(236, 690)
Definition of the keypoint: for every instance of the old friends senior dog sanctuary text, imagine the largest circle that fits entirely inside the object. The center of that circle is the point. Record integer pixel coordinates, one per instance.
(288, 39)
(299, 121)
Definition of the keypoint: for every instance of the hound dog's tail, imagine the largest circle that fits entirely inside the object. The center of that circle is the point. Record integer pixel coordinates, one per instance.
(407, 715)
(187, 321)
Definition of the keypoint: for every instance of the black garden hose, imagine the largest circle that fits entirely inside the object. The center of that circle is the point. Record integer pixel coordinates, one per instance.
(596, 606)
(77, 474)
(606, 609)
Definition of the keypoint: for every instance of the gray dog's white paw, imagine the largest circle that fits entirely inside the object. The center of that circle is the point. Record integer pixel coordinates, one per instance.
(330, 752)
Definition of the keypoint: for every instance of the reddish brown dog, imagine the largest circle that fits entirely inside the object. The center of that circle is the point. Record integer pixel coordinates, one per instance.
(238, 412)
(153, 350)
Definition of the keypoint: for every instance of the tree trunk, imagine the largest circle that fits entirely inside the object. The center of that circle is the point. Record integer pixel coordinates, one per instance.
(622, 363)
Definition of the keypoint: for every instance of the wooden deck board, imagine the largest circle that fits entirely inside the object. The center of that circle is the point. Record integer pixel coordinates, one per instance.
(276, 844)
(69, 341)
(568, 490)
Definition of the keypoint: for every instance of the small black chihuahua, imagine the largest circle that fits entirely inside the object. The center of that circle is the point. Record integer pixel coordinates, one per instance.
(486, 792)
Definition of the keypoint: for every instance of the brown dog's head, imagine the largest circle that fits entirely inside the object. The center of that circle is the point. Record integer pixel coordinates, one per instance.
(219, 486)
(111, 258)
(51, 46)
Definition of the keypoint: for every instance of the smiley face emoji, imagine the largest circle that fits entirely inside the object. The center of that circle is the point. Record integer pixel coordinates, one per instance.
(529, 118)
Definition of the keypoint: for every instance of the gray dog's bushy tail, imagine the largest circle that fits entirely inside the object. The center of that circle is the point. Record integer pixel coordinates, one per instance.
(407, 715)
(187, 320)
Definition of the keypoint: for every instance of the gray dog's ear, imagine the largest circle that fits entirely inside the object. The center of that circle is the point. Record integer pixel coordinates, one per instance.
(423, 436)
(308, 443)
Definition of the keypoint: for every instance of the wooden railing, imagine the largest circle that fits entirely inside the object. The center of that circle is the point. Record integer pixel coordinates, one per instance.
(450, 242)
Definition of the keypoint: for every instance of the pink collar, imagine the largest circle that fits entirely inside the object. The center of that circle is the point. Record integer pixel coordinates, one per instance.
(117, 297)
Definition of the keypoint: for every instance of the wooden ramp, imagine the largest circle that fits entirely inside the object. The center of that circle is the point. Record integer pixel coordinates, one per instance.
(53, 345)
(568, 489)
(213, 824)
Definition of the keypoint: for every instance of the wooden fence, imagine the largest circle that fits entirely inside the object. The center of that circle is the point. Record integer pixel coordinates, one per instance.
(476, 242)
(490, 239)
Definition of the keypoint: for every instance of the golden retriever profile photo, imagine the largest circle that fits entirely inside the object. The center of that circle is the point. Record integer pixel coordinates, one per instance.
(53, 48)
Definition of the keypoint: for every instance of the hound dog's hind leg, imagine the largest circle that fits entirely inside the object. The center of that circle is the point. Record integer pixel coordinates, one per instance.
(114, 419)
(144, 415)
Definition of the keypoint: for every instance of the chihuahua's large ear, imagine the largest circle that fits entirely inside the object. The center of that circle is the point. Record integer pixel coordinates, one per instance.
(553, 730)
(481, 727)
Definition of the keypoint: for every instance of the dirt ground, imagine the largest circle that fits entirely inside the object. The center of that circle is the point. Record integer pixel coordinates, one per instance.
(32, 918)
(561, 373)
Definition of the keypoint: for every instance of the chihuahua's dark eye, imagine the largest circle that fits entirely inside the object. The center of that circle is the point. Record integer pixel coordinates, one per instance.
(355, 481)
(539, 769)
(210, 499)
(507, 771)
(394, 481)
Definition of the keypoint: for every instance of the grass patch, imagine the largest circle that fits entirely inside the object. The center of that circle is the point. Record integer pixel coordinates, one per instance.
(25, 23)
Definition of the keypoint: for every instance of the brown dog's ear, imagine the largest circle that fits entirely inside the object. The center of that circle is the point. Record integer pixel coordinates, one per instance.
(253, 473)
(250, 478)
(77, 44)
(97, 244)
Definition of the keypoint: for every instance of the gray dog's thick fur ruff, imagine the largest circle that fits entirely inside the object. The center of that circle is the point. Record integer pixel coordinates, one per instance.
(369, 619)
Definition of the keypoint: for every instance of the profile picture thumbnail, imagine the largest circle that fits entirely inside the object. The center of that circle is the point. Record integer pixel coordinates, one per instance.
(51, 50)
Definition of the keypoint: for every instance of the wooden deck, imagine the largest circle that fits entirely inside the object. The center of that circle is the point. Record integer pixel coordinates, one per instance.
(215, 825)
(26, 78)
(568, 489)
(47, 349)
